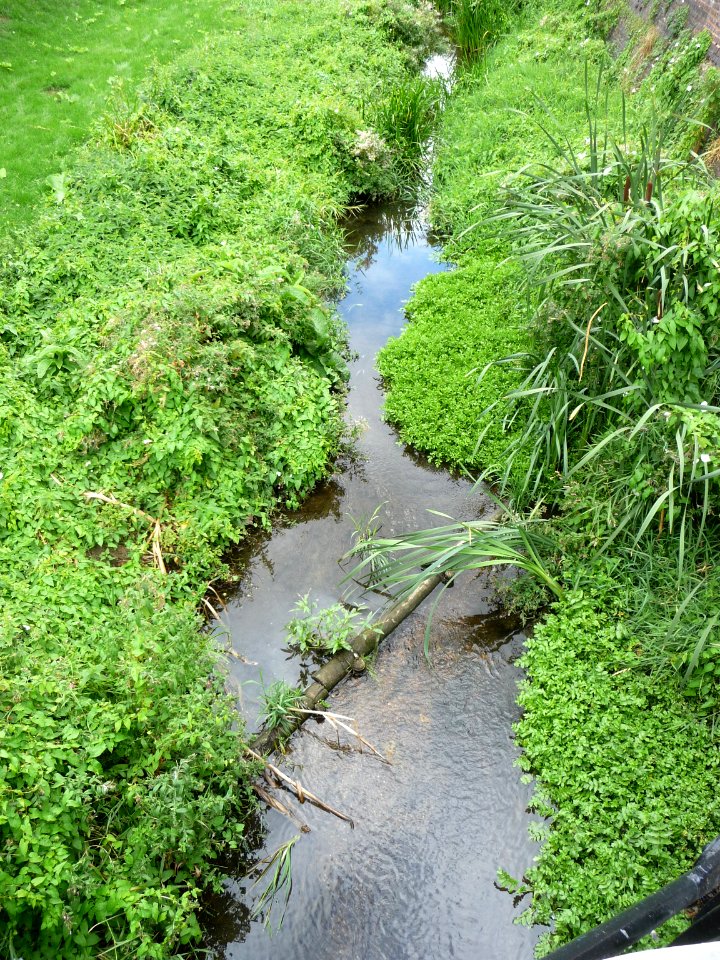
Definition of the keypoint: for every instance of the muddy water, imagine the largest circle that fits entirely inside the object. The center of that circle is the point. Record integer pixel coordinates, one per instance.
(415, 878)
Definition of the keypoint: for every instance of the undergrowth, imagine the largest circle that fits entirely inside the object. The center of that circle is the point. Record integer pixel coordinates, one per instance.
(627, 779)
(601, 417)
(169, 375)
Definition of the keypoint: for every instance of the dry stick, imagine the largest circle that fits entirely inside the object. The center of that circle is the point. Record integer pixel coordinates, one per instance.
(157, 550)
(587, 340)
(336, 720)
(157, 529)
(276, 804)
(211, 608)
(229, 652)
(301, 792)
(222, 602)
(104, 498)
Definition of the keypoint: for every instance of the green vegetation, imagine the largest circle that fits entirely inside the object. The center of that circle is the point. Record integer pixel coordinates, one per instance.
(169, 374)
(277, 870)
(455, 319)
(605, 428)
(279, 701)
(58, 64)
(463, 320)
(406, 117)
(326, 630)
(627, 777)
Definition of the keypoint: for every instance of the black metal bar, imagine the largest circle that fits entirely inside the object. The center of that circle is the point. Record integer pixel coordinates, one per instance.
(614, 936)
(705, 927)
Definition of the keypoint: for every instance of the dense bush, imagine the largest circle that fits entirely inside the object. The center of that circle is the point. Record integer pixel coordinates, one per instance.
(412, 25)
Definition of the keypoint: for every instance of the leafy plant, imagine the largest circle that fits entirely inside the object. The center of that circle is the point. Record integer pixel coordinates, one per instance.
(610, 746)
(365, 532)
(456, 548)
(413, 25)
(324, 630)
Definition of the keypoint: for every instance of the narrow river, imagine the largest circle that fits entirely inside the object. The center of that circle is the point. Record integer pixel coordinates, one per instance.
(415, 878)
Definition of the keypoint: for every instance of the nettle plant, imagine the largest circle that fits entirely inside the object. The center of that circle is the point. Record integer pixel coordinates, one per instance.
(323, 630)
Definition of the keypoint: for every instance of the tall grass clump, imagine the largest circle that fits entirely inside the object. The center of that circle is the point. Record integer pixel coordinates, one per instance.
(619, 247)
(406, 118)
(477, 24)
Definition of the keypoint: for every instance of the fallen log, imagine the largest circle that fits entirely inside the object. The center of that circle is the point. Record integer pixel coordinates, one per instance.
(343, 663)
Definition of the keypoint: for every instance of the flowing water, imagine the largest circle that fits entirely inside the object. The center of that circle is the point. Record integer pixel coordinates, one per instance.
(415, 877)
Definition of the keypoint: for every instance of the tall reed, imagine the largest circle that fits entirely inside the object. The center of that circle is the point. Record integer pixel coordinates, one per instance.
(406, 118)
(477, 24)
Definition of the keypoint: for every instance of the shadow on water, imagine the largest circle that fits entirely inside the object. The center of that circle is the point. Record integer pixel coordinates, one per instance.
(415, 878)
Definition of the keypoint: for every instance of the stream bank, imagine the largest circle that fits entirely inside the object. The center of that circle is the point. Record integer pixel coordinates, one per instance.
(169, 378)
(623, 676)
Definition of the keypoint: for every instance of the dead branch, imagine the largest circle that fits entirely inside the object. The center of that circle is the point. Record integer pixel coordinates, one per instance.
(300, 791)
(336, 721)
(276, 804)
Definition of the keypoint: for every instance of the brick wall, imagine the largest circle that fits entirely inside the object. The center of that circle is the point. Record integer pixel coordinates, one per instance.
(702, 15)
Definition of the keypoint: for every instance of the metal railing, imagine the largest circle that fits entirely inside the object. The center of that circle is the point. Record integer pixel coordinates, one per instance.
(614, 936)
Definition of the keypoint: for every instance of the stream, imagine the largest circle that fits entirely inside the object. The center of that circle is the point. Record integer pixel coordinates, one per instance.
(415, 877)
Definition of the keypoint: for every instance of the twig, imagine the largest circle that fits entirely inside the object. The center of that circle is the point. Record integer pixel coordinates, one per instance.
(587, 339)
(104, 498)
(276, 804)
(222, 602)
(156, 534)
(238, 656)
(301, 793)
(211, 608)
(157, 550)
(336, 720)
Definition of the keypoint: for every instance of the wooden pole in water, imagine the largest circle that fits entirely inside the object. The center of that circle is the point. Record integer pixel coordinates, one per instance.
(340, 665)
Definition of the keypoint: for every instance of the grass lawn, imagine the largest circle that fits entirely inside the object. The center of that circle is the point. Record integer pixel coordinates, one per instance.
(59, 62)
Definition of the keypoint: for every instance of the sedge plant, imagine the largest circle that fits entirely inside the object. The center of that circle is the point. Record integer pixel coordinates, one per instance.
(458, 547)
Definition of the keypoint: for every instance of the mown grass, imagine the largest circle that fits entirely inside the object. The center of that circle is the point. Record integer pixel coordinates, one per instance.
(59, 63)
(169, 375)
